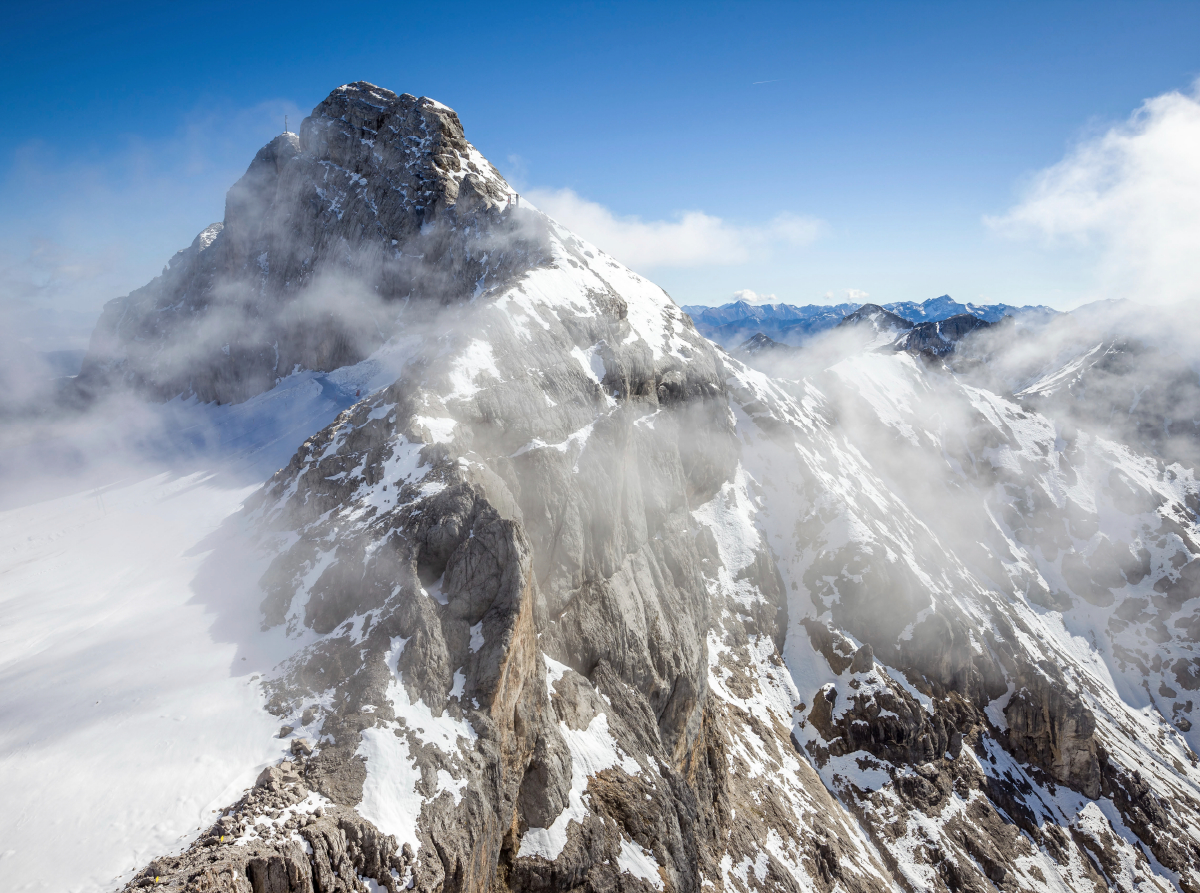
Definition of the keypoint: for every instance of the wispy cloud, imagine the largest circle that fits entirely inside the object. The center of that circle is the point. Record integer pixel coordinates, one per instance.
(849, 296)
(1132, 194)
(691, 239)
(751, 297)
(84, 223)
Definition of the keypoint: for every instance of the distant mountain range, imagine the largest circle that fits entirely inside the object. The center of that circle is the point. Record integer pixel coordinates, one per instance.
(731, 324)
(885, 331)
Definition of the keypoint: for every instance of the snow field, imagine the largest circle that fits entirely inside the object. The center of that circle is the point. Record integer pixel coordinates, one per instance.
(129, 713)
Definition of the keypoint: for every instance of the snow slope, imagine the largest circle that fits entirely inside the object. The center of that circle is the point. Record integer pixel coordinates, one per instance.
(128, 718)
(130, 648)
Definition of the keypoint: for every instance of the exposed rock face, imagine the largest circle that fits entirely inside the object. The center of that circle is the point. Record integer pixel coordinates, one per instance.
(938, 338)
(876, 317)
(1050, 727)
(580, 602)
(379, 198)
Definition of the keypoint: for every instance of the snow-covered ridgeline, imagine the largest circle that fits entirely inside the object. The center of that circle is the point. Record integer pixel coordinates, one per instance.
(876, 499)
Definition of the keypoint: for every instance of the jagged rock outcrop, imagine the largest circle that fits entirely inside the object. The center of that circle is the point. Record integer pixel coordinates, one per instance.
(938, 338)
(281, 838)
(1050, 727)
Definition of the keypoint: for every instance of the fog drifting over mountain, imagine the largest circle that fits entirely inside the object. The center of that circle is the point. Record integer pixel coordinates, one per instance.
(1131, 195)
(399, 537)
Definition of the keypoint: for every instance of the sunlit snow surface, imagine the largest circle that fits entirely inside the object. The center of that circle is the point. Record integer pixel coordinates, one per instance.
(129, 629)
(127, 716)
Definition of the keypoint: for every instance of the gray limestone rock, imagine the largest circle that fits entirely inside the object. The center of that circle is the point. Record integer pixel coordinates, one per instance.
(326, 238)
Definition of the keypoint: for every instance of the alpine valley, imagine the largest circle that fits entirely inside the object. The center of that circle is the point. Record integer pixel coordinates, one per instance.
(567, 597)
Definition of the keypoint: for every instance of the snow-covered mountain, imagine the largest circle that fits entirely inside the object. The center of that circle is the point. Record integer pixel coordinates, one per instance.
(945, 307)
(871, 328)
(568, 598)
(935, 338)
(731, 324)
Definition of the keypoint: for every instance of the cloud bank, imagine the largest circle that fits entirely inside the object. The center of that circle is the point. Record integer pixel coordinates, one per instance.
(852, 295)
(692, 239)
(1132, 194)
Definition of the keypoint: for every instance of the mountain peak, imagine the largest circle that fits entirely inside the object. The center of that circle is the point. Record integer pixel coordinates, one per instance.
(367, 90)
(367, 126)
(379, 195)
(877, 316)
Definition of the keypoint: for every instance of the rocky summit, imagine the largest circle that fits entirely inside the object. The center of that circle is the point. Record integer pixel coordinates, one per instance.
(579, 601)
(378, 199)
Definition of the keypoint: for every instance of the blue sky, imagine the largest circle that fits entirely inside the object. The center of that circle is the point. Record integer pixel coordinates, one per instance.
(835, 146)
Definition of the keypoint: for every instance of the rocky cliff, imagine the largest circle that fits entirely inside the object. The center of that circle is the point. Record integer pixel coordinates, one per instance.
(378, 200)
(581, 602)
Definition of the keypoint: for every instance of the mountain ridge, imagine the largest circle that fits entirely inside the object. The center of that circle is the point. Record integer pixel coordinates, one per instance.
(730, 324)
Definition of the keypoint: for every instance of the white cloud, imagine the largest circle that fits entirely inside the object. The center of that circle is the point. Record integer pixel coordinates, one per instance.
(692, 239)
(750, 297)
(1132, 195)
(851, 296)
